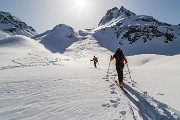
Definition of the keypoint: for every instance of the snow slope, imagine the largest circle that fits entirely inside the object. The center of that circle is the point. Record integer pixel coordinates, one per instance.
(3, 35)
(50, 76)
(37, 84)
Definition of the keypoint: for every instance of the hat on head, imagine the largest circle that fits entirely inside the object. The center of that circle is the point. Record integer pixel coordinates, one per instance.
(118, 49)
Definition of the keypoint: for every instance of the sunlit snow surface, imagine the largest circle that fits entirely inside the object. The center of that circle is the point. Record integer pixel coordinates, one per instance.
(36, 84)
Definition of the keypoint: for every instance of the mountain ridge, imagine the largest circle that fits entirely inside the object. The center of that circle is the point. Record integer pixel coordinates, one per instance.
(134, 34)
(14, 26)
(134, 31)
(116, 13)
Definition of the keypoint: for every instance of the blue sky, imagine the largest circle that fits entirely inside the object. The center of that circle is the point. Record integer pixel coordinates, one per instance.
(43, 15)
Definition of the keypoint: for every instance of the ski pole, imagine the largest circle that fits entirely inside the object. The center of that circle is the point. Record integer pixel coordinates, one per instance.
(108, 68)
(90, 63)
(98, 65)
(128, 71)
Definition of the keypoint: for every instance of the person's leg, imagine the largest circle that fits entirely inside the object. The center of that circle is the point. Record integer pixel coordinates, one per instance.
(118, 71)
(121, 75)
(121, 71)
(95, 64)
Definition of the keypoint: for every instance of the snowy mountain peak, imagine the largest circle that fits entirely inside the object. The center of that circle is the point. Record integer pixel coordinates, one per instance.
(57, 39)
(126, 11)
(62, 28)
(5, 13)
(121, 27)
(116, 13)
(59, 26)
(14, 26)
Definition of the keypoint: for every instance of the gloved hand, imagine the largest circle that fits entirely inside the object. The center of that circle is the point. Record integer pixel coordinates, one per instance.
(125, 60)
(111, 58)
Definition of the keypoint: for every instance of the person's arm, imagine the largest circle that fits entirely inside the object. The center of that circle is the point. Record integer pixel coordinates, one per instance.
(111, 57)
(125, 59)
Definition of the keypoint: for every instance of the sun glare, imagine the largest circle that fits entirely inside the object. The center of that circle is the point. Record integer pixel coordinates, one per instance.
(80, 4)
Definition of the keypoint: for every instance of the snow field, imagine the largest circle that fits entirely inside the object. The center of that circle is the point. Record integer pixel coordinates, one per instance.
(38, 84)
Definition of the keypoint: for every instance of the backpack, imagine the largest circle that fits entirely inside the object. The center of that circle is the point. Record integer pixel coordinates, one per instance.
(95, 59)
(119, 56)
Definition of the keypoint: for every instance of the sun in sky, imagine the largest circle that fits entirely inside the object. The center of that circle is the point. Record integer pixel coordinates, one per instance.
(80, 4)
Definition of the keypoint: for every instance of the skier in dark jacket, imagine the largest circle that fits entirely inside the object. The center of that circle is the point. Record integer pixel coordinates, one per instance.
(120, 60)
(95, 59)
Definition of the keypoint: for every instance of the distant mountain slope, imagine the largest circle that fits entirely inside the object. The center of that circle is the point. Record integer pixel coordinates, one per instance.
(58, 39)
(14, 26)
(137, 34)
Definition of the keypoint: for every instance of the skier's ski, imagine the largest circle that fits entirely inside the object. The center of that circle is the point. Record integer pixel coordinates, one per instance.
(124, 90)
(121, 87)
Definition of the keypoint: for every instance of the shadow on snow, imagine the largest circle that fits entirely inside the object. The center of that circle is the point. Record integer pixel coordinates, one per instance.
(150, 108)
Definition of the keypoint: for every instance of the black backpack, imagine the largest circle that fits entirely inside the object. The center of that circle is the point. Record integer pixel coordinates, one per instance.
(119, 56)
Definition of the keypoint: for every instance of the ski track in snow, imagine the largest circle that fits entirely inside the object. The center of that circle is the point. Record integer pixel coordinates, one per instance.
(141, 104)
(48, 98)
(33, 60)
(71, 95)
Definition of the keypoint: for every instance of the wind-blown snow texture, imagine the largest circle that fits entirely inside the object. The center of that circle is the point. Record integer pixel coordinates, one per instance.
(50, 76)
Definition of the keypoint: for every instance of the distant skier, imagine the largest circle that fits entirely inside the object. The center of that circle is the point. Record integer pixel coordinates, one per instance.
(120, 59)
(95, 59)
